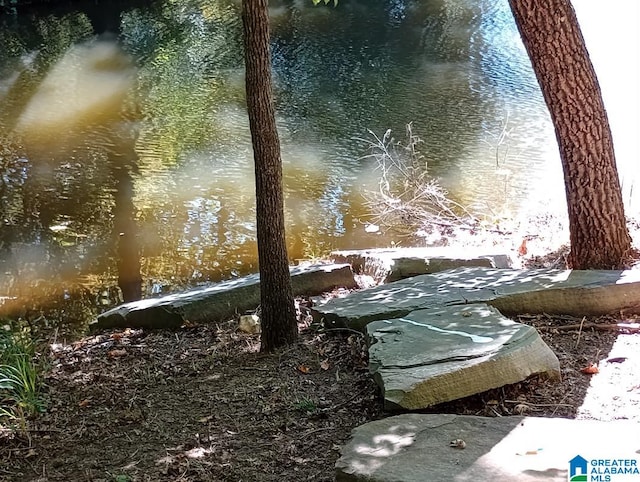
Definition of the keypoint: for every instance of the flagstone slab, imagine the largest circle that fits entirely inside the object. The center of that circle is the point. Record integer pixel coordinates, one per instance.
(386, 265)
(571, 292)
(441, 354)
(417, 448)
(220, 301)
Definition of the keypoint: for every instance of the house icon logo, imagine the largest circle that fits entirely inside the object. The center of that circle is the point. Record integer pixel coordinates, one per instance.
(578, 469)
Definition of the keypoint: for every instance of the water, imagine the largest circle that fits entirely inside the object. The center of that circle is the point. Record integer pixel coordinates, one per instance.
(126, 150)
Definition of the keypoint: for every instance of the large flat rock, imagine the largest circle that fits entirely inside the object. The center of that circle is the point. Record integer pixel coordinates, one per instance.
(388, 265)
(440, 337)
(510, 291)
(416, 448)
(440, 354)
(220, 301)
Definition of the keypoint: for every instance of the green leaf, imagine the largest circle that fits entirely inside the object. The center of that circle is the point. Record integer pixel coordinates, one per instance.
(326, 2)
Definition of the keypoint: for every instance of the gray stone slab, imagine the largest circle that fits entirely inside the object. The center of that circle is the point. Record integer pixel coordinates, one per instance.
(386, 265)
(577, 293)
(220, 301)
(416, 448)
(440, 354)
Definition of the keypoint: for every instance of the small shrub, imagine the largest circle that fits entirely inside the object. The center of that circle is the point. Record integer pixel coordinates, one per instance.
(20, 377)
(306, 405)
(122, 478)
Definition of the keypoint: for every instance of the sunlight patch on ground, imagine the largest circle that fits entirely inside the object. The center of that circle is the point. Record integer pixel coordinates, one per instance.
(614, 392)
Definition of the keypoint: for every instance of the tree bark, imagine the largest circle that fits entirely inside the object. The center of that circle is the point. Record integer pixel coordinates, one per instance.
(278, 318)
(551, 34)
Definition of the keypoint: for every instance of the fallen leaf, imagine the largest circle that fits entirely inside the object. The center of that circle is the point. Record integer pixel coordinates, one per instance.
(458, 444)
(197, 452)
(324, 364)
(590, 370)
(522, 250)
(530, 452)
(116, 353)
(618, 359)
(169, 459)
(303, 369)
(84, 403)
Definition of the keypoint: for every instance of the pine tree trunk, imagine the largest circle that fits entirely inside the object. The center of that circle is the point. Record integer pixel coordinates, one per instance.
(279, 325)
(551, 34)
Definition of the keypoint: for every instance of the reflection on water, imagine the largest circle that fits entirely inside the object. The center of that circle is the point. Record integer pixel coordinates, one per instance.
(86, 87)
(126, 153)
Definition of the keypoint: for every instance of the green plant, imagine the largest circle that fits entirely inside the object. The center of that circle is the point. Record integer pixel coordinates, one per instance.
(122, 478)
(20, 377)
(306, 405)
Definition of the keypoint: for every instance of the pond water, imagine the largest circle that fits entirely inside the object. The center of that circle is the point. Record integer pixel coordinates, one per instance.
(126, 150)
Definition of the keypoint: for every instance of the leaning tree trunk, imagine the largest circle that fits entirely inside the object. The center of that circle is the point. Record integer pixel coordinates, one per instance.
(279, 325)
(551, 34)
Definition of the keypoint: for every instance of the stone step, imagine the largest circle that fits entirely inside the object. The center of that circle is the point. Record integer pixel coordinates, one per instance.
(440, 337)
(220, 301)
(578, 293)
(386, 265)
(445, 353)
(428, 447)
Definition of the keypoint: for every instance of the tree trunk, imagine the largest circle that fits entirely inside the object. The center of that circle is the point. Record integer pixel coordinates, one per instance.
(278, 318)
(551, 34)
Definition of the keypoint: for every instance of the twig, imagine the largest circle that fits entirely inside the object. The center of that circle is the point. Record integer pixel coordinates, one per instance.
(531, 404)
(560, 404)
(350, 330)
(317, 430)
(340, 405)
(496, 413)
(406, 192)
(560, 317)
(580, 332)
(626, 327)
(43, 430)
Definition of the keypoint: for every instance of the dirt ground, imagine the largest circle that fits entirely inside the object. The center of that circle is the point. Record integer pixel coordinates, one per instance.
(202, 404)
(195, 404)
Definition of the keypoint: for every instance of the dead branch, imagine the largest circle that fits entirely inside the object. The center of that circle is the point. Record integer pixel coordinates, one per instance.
(407, 197)
(531, 404)
(624, 327)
